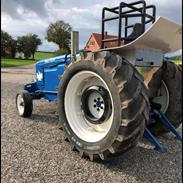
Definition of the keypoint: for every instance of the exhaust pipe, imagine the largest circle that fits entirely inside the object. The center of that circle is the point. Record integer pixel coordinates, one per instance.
(74, 44)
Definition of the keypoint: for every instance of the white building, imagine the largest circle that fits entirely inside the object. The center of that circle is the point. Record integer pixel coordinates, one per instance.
(19, 55)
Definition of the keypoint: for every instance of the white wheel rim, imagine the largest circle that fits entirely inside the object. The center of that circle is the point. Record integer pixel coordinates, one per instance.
(163, 97)
(20, 104)
(84, 129)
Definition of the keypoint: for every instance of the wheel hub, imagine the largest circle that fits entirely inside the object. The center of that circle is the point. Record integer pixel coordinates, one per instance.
(96, 104)
(20, 104)
(162, 97)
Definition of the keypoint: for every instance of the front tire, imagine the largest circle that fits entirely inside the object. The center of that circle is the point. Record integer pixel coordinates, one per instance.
(24, 104)
(128, 102)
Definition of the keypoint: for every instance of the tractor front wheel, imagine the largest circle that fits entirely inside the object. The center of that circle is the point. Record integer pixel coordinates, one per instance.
(24, 104)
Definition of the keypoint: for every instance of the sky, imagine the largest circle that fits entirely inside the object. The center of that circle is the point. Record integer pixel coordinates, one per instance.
(20, 17)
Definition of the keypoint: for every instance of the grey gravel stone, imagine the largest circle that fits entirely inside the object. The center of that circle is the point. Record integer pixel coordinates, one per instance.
(34, 151)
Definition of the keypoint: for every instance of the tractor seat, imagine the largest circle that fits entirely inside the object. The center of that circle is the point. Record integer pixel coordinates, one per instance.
(137, 31)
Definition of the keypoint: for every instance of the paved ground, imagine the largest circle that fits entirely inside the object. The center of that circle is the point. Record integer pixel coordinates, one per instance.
(33, 150)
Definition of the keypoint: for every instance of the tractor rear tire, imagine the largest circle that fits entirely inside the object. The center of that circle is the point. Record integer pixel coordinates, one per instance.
(171, 75)
(129, 105)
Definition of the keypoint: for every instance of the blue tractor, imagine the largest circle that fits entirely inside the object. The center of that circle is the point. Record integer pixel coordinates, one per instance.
(105, 105)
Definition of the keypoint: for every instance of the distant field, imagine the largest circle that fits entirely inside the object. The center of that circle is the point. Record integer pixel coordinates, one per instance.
(144, 70)
(19, 62)
(43, 55)
(177, 61)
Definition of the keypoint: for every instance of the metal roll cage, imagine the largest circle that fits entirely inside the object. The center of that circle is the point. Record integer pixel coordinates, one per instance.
(133, 11)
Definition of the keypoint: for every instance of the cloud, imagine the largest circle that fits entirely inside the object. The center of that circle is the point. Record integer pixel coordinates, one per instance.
(20, 17)
(12, 7)
(48, 46)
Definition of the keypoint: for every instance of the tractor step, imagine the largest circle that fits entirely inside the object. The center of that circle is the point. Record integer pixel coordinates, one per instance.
(167, 123)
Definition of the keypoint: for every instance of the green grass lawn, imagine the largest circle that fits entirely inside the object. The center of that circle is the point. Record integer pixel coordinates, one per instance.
(15, 62)
(177, 61)
(144, 70)
(19, 62)
(43, 55)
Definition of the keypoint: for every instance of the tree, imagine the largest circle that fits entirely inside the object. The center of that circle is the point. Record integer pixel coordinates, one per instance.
(23, 45)
(13, 48)
(60, 34)
(8, 45)
(34, 43)
(28, 44)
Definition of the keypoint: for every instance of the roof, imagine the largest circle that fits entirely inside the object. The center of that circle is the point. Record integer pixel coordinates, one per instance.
(98, 37)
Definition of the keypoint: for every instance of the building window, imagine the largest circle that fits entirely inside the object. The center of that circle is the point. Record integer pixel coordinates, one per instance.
(92, 43)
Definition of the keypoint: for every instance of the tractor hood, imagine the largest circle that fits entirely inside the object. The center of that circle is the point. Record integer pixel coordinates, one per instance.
(51, 62)
(47, 71)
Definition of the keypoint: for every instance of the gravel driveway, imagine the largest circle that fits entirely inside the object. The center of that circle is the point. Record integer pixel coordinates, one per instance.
(33, 150)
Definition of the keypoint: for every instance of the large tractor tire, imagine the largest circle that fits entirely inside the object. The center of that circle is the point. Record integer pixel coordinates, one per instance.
(102, 104)
(165, 88)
